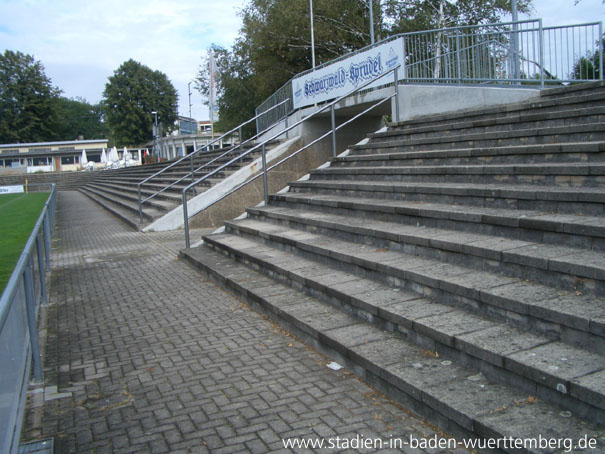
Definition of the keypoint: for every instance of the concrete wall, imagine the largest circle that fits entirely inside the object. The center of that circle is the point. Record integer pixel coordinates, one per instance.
(421, 100)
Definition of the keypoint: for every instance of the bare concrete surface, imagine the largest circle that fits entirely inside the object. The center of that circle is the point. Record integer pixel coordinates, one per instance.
(142, 355)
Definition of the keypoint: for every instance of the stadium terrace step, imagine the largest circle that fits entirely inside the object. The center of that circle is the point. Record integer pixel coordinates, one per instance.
(117, 190)
(455, 262)
(405, 352)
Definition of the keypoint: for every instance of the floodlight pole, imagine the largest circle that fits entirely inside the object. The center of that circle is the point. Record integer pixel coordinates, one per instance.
(371, 24)
(312, 35)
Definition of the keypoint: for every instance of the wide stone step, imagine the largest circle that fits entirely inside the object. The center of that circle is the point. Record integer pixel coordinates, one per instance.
(122, 211)
(572, 269)
(574, 316)
(129, 197)
(562, 175)
(548, 102)
(525, 154)
(587, 132)
(562, 229)
(502, 123)
(587, 201)
(453, 394)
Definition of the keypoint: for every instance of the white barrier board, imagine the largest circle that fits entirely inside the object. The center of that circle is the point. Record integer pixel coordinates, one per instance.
(344, 76)
(11, 189)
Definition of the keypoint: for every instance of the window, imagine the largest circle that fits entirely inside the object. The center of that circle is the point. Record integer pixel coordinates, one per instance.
(40, 161)
(94, 157)
(67, 160)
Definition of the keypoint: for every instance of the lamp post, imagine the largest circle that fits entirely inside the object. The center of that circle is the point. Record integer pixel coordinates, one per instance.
(155, 131)
(189, 90)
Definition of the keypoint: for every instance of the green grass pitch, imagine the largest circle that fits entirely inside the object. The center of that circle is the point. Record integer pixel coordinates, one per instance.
(18, 216)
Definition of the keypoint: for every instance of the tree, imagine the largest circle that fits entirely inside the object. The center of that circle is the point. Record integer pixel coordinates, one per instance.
(275, 44)
(28, 101)
(589, 66)
(79, 118)
(131, 95)
(403, 16)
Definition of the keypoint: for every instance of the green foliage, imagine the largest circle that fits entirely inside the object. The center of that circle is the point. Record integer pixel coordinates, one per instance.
(79, 118)
(132, 93)
(28, 101)
(589, 67)
(403, 16)
(275, 40)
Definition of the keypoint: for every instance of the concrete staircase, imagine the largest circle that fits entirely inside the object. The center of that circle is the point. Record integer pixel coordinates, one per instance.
(455, 263)
(116, 190)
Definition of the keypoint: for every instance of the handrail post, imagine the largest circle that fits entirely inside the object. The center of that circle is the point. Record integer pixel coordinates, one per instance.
(140, 203)
(30, 303)
(46, 228)
(333, 121)
(192, 169)
(541, 51)
(397, 117)
(41, 268)
(265, 175)
(186, 219)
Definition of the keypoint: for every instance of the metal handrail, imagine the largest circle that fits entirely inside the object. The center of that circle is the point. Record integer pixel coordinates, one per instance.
(26, 287)
(286, 130)
(191, 155)
(538, 50)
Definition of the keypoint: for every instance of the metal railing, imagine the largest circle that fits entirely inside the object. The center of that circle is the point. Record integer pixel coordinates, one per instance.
(203, 148)
(331, 132)
(19, 305)
(508, 53)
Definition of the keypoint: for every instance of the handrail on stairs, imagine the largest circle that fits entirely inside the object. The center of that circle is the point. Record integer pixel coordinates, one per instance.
(261, 145)
(201, 149)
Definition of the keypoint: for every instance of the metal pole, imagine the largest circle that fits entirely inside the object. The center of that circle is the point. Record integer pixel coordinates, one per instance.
(30, 304)
(140, 204)
(333, 120)
(395, 72)
(515, 41)
(46, 227)
(312, 35)
(41, 268)
(371, 24)
(541, 50)
(189, 89)
(186, 219)
(265, 175)
(191, 166)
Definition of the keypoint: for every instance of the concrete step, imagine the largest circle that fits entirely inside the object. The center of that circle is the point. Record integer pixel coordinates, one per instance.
(585, 232)
(561, 174)
(572, 200)
(119, 210)
(572, 269)
(566, 134)
(452, 393)
(525, 154)
(549, 102)
(533, 118)
(129, 197)
(570, 316)
(443, 322)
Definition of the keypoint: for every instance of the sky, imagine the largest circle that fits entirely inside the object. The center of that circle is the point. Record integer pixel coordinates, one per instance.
(82, 42)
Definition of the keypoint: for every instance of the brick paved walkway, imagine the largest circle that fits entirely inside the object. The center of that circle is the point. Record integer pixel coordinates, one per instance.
(143, 355)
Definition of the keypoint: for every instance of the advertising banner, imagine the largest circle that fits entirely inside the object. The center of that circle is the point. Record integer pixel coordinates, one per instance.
(11, 189)
(341, 77)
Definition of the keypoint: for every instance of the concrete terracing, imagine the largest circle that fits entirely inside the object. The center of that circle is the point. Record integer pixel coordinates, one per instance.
(454, 262)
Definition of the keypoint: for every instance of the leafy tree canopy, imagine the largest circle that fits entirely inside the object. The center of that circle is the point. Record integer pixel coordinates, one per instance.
(28, 101)
(78, 118)
(131, 95)
(274, 43)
